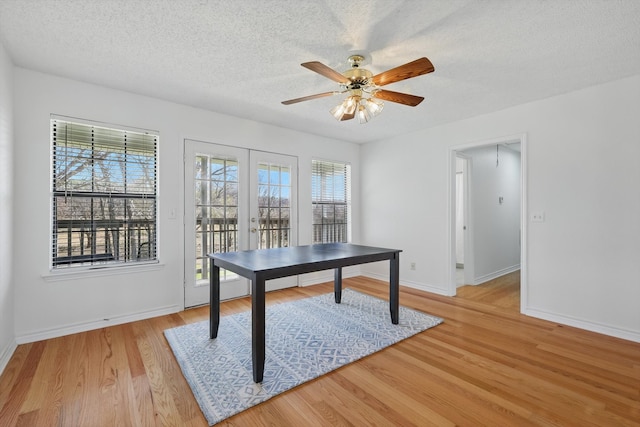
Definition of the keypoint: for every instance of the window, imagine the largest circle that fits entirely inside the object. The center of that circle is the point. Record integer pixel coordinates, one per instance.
(331, 201)
(103, 194)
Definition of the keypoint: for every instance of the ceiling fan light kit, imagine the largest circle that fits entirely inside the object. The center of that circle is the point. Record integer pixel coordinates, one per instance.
(363, 108)
(365, 94)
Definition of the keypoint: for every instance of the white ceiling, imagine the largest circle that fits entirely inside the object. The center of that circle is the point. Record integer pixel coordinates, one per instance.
(242, 57)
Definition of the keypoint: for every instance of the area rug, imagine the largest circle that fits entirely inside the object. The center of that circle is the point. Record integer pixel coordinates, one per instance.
(304, 340)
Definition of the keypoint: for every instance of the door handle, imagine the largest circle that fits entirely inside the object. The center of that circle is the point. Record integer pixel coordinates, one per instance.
(253, 229)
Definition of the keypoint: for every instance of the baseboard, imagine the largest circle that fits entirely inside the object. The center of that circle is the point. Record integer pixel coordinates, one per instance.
(315, 280)
(326, 276)
(6, 354)
(95, 324)
(600, 328)
(487, 277)
(410, 284)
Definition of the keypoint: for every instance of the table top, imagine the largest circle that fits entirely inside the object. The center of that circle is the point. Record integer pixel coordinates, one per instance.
(309, 258)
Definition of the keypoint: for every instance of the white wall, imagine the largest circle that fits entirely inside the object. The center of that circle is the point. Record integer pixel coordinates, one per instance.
(46, 308)
(7, 336)
(582, 166)
(583, 264)
(495, 226)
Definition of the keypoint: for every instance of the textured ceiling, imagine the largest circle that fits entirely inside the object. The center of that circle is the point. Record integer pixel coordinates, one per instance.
(242, 57)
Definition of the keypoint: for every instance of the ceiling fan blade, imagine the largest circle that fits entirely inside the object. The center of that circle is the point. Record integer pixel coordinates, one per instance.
(308, 98)
(400, 98)
(412, 69)
(329, 73)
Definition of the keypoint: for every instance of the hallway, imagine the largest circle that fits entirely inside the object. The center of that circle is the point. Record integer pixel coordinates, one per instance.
(502, 292)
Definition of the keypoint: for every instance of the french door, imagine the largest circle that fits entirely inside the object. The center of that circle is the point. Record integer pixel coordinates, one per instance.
(273, 213)
(235, 199)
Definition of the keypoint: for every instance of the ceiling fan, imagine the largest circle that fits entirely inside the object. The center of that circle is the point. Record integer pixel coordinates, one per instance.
(364, 89)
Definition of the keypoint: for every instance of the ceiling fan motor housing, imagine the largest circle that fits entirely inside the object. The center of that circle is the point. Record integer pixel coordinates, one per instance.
(359, 77)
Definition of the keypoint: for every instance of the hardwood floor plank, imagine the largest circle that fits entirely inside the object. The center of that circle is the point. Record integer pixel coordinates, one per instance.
(485, 365)
(52, 380)
(316, 409)
(11, 374)
(28, 419)
(293, 404)
(414, 412)
(45, 369)
(482, 407)
(69, 413)
(590, 360)
(165, 409)
(136, 366)
(350, 382)
(20, 389)
(142, 400)
(356, 408)
(598, 388)
(508, 383)
(172, 374)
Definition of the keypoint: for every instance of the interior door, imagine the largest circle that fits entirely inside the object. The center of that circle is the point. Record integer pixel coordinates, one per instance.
(215, 216)
(273, 207)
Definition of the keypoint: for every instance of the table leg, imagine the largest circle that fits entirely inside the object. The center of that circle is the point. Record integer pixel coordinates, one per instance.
(394, 288)
(258, 327)
(337, 284)
(214, 299)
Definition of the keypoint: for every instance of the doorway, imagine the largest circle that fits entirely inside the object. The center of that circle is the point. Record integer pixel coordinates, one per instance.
(493, 229)
(235, 199)
(463, 244)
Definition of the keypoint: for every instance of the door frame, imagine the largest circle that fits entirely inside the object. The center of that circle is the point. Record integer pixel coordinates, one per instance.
(451, 219)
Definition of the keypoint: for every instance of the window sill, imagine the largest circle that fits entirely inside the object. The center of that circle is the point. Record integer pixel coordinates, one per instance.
(99, 271)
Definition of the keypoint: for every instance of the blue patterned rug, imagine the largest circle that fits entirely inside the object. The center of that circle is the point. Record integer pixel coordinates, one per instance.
(304, 340)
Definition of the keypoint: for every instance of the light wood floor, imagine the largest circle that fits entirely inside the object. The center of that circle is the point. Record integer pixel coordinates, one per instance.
(485, 365)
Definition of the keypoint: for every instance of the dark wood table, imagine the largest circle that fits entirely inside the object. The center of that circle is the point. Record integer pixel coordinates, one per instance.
(265, 264)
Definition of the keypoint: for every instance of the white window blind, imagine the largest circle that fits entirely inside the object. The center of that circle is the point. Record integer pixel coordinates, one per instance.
(104, 189)
(331, 201)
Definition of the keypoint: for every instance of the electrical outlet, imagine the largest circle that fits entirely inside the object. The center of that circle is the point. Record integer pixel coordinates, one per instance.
(537, 217)
(413, 266)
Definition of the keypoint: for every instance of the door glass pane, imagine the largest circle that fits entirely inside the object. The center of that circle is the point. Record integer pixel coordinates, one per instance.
(216, 208)
(274, 205)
